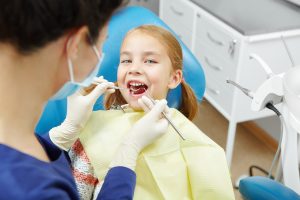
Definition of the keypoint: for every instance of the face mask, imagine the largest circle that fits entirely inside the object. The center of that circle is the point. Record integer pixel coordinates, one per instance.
(72, 86)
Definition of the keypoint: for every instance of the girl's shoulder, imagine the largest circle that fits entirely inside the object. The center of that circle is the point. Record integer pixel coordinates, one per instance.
(191, 132)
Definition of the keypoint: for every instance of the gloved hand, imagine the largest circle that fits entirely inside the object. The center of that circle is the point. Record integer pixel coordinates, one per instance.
(79, 108)
(143, 133)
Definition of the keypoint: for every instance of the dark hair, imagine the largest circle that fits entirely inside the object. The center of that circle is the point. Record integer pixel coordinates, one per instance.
(189, 104)
(30, 24)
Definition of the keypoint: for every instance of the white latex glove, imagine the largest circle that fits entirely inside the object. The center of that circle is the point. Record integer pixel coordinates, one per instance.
(79, 108)
(144, 132)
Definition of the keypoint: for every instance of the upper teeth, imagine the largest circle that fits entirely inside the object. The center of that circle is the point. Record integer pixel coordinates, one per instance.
(136, 84)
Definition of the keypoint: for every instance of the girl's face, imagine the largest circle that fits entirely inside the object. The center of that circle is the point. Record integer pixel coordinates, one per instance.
(145, 69)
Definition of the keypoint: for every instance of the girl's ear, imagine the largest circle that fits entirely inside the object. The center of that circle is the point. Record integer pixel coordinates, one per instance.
(175, 79)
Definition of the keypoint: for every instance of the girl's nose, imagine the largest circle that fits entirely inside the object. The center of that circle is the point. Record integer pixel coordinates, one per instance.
(135, 69)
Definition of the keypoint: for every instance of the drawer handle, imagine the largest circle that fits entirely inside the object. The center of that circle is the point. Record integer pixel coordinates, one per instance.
(176, 11)
(216, 92)
(231, 49)
(217, 42)
(211, 65)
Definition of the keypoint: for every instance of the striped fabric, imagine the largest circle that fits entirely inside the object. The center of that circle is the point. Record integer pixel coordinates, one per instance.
(86, 181)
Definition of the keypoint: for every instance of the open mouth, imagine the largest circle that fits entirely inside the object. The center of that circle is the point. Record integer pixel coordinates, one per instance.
(136, 87)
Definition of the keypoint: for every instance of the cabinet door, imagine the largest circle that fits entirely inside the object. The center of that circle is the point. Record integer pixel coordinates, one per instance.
(179, 15)
(217, 50)
(210, 32)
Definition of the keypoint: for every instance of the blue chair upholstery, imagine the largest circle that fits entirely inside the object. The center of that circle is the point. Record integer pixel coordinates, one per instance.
(262, 188)
(123, 21)
(53, 115)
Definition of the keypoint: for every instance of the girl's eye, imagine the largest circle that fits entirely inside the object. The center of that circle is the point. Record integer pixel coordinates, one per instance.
(125, 61)
(150, 61)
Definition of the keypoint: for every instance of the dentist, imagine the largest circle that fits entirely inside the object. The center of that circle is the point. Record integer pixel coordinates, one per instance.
(48, 50)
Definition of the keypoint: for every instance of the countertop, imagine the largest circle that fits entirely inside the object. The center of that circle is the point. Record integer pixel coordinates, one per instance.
(251, 17)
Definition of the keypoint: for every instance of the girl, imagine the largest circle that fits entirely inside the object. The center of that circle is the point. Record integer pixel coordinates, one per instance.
(171, 168)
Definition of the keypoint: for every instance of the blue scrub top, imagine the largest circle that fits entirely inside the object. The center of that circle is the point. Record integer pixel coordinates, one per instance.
(25, 177)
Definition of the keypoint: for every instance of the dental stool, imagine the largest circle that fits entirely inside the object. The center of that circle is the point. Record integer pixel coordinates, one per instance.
(262, 188)
(123, 21)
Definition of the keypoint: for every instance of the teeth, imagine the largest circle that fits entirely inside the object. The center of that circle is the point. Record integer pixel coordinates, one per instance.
(136, 84)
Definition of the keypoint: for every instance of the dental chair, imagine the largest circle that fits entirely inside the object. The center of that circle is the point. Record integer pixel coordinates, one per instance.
(123, 21)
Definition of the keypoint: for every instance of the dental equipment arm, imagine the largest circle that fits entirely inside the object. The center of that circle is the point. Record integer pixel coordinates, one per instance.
(263, 64)
(79, 108)
(270, 91)
(267, 95)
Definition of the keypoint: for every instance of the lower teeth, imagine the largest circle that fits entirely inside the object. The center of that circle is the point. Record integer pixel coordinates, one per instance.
(138, 91)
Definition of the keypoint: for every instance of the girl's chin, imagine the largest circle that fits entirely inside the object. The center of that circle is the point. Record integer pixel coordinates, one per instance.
(135, 106)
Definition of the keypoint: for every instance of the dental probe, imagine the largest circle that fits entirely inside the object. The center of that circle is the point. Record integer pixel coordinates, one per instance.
(169, 120)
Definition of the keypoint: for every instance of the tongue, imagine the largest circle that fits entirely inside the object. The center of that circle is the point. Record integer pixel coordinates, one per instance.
(138, 89)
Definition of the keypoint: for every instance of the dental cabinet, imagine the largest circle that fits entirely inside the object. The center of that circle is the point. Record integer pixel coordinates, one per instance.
(222, 34)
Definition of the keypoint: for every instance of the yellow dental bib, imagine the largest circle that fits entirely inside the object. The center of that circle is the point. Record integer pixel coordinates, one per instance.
(170, 168)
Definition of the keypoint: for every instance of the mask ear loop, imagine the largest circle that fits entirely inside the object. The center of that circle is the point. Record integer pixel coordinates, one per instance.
(96, 52)
(71, 71)
(70, 66)
(94, 47)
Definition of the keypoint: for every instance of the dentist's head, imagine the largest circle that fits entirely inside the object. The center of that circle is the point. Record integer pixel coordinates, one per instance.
(52, 46)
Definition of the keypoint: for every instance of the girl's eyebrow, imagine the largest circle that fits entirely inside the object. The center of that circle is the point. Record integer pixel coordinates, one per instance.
(125, 53)
(147, 53)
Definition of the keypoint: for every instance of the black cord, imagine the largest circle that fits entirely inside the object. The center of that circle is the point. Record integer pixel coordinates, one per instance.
(260, 169)
(274, 109)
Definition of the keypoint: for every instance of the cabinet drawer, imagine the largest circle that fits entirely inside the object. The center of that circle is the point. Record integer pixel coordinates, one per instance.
(221, 94)
(214, 65)
(218, 39)
(178, 12)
